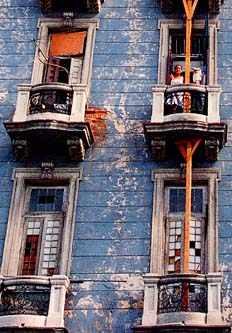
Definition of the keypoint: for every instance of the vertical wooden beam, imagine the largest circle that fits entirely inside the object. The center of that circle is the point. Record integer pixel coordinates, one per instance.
(187, 148)
(188, 50)
(188, 204)
(189, 6)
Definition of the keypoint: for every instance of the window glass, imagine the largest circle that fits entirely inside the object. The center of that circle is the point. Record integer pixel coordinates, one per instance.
(46, 200)
(177, 200)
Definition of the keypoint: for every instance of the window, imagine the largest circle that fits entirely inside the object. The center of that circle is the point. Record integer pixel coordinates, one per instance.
(199, 56)
(168, 217)
(64, 54)
(43, 225)
(39, 243)
(204, 47)
(65, 57)
(174, 212)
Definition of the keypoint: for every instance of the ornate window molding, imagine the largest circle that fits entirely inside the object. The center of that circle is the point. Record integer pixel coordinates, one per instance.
(210, 178)
(23, 178)
(46, 26)
(174, 24)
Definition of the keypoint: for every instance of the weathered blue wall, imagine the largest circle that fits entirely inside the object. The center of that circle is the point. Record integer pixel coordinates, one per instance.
(112, 235)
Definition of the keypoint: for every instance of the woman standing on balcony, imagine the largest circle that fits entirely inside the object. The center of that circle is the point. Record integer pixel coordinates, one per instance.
(174, 101)
(177, 77)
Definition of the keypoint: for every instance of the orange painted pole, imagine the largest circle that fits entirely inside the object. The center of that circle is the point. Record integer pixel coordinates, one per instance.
(187, 148)
(188, 204)
(189, 6)
(188, 49)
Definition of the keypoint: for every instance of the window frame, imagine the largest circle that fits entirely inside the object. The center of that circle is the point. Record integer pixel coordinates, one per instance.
(161, 178)
(175, 24)
(24, 178)
(47, 25)
(173, 216)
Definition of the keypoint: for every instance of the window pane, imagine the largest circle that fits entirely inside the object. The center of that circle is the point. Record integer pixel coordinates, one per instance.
(46, 200)
(178, 42)
(50, 252)
(30, 255)
(177, 200)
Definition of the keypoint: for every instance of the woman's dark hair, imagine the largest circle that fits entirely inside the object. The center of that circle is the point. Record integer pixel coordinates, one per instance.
(178, 65)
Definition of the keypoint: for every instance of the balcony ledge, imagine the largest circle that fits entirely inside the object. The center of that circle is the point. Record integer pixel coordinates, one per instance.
(183, 328)
(44, 136)
(49, 119)
(166, 305)
(161, 137)
(20, 289)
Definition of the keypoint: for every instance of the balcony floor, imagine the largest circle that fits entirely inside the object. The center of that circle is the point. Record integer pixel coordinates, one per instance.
(44, 137)
(161, 137)
(181, 328)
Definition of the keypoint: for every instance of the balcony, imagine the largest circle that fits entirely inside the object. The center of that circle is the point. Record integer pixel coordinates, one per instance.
(33, 301)
(185, 111)
(50, 118)
(171, 6)
(93, 6)
(182, 303)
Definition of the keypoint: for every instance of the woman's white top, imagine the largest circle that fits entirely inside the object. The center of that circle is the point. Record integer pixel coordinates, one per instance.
(177, 80)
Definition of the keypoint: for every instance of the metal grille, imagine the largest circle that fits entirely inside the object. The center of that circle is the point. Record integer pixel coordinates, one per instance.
(182, 296)
(24, 299)
(51, 100)
(175, 102)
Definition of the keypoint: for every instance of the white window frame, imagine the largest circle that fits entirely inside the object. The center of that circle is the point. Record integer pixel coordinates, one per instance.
(47, 25)
(164, 176)
(23, 178)
(174, 24)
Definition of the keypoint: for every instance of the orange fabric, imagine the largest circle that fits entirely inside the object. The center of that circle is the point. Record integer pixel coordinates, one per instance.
(67, 43)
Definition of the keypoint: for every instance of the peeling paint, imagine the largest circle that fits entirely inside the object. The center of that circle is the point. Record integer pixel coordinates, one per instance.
(3, 95)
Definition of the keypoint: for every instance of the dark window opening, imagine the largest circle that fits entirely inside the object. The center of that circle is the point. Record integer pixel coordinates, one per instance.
(57, 70)
(199, 52)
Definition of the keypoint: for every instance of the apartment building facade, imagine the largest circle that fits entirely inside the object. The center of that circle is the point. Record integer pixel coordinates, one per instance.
(115, 185)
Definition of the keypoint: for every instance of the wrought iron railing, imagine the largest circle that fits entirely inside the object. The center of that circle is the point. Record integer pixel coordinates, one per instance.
(185, 295)
(21, 298)
(185, 98)
(51, 98)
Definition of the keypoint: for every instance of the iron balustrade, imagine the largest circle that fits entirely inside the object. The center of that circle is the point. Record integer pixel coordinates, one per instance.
(52, 98)
(24, 298)
(186, 295)
(186, 98)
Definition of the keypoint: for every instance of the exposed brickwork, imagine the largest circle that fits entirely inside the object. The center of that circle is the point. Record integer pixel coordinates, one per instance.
(97, 119)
